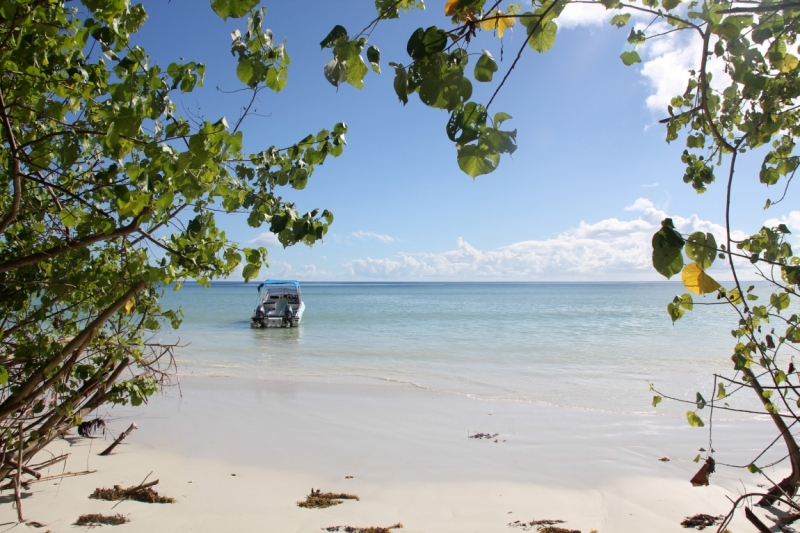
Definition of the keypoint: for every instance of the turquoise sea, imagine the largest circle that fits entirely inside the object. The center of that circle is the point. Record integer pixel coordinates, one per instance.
(590, 346)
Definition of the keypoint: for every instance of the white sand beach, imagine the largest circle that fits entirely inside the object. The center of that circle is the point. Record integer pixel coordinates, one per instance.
(238, 454)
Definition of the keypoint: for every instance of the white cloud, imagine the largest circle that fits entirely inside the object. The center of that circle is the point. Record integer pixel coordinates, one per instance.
(577, 15)
(792, 221)
(649, 185)
(667, 59)
(369, 235)
(611, 249)
(667, 62)
(267, 239)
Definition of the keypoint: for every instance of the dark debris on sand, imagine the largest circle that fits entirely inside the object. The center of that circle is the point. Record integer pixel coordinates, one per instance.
(556, 529)
(351, 529)
(139, 494)
(89, 428)
(539, 525)
(483, 436)
(701, 521)
(97, 519)
(319, 500)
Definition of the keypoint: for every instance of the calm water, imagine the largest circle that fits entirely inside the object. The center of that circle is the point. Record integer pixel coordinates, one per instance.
(589, 346)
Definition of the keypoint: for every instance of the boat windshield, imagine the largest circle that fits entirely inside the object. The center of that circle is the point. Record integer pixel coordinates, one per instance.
(276, 293)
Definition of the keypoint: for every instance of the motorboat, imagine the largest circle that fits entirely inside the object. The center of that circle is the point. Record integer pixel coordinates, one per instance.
(280, 305)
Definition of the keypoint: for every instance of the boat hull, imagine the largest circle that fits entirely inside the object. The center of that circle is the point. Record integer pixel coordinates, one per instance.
(278, 321)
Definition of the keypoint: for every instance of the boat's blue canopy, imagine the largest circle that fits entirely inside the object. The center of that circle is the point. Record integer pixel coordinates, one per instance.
(280, 282)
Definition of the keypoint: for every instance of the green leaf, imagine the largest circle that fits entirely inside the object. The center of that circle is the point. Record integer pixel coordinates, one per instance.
(374, 58)
(424, 43)
(250, 271)
(246, 72)
(636, 37)
(543, 38)
(779, 301)
(629, 58)
(400, 82)
(667, 250)
(67, 218)
(675, 312)
(700, 401)
(753, 469)
(277, 78)
(694, 420)
(687, 302)
(620, 20)
(356, 71)
(335, 34)
(780, 377)
(721, 393)
(485, 67)
(669, 5)
(233, 8)
(696, 459)
(335, 72)
(701, 248)
(499, 118)
(656, 400)
(3, 375)
(476, 161)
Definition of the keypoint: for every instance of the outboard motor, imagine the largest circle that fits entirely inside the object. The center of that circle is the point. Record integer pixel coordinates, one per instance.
(260, 312)
(287, 316)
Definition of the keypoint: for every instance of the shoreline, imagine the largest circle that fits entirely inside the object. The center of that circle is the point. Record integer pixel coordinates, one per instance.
(408, 451)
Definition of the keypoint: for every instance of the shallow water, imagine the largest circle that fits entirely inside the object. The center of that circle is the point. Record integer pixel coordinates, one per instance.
(589, 346)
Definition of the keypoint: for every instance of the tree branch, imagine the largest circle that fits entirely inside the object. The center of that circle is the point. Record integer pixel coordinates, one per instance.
(73, 245)
(16, 172)
(24, 391)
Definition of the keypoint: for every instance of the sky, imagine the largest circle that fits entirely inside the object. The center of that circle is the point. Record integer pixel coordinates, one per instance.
(578, 201)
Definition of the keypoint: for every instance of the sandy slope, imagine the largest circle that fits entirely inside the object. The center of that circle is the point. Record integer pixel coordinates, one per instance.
(410, 457)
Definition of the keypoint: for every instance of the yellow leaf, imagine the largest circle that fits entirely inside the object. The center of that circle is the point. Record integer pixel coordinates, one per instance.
(451, 7)
(499, 24)
(697, 281)
(789, 63)
(129, 306)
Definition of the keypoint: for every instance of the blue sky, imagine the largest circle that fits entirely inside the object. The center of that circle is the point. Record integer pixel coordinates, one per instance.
(579, 200)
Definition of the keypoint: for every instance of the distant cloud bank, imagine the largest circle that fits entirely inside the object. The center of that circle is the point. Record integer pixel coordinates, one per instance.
(612, 249)
(608, 250)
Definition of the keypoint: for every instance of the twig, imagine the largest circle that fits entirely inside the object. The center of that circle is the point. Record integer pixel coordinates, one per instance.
(51, 462)
(65, 474)
(122, 435)
(18, 479)
(519, 54)
(755, 521)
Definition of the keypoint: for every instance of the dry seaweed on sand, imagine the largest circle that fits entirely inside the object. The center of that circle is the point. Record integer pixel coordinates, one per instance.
(319, 500)
(141, 493)
(373, 529)
(527, 526)
(556, 529)
(483, 436)
(701, 521)
(97, 519)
